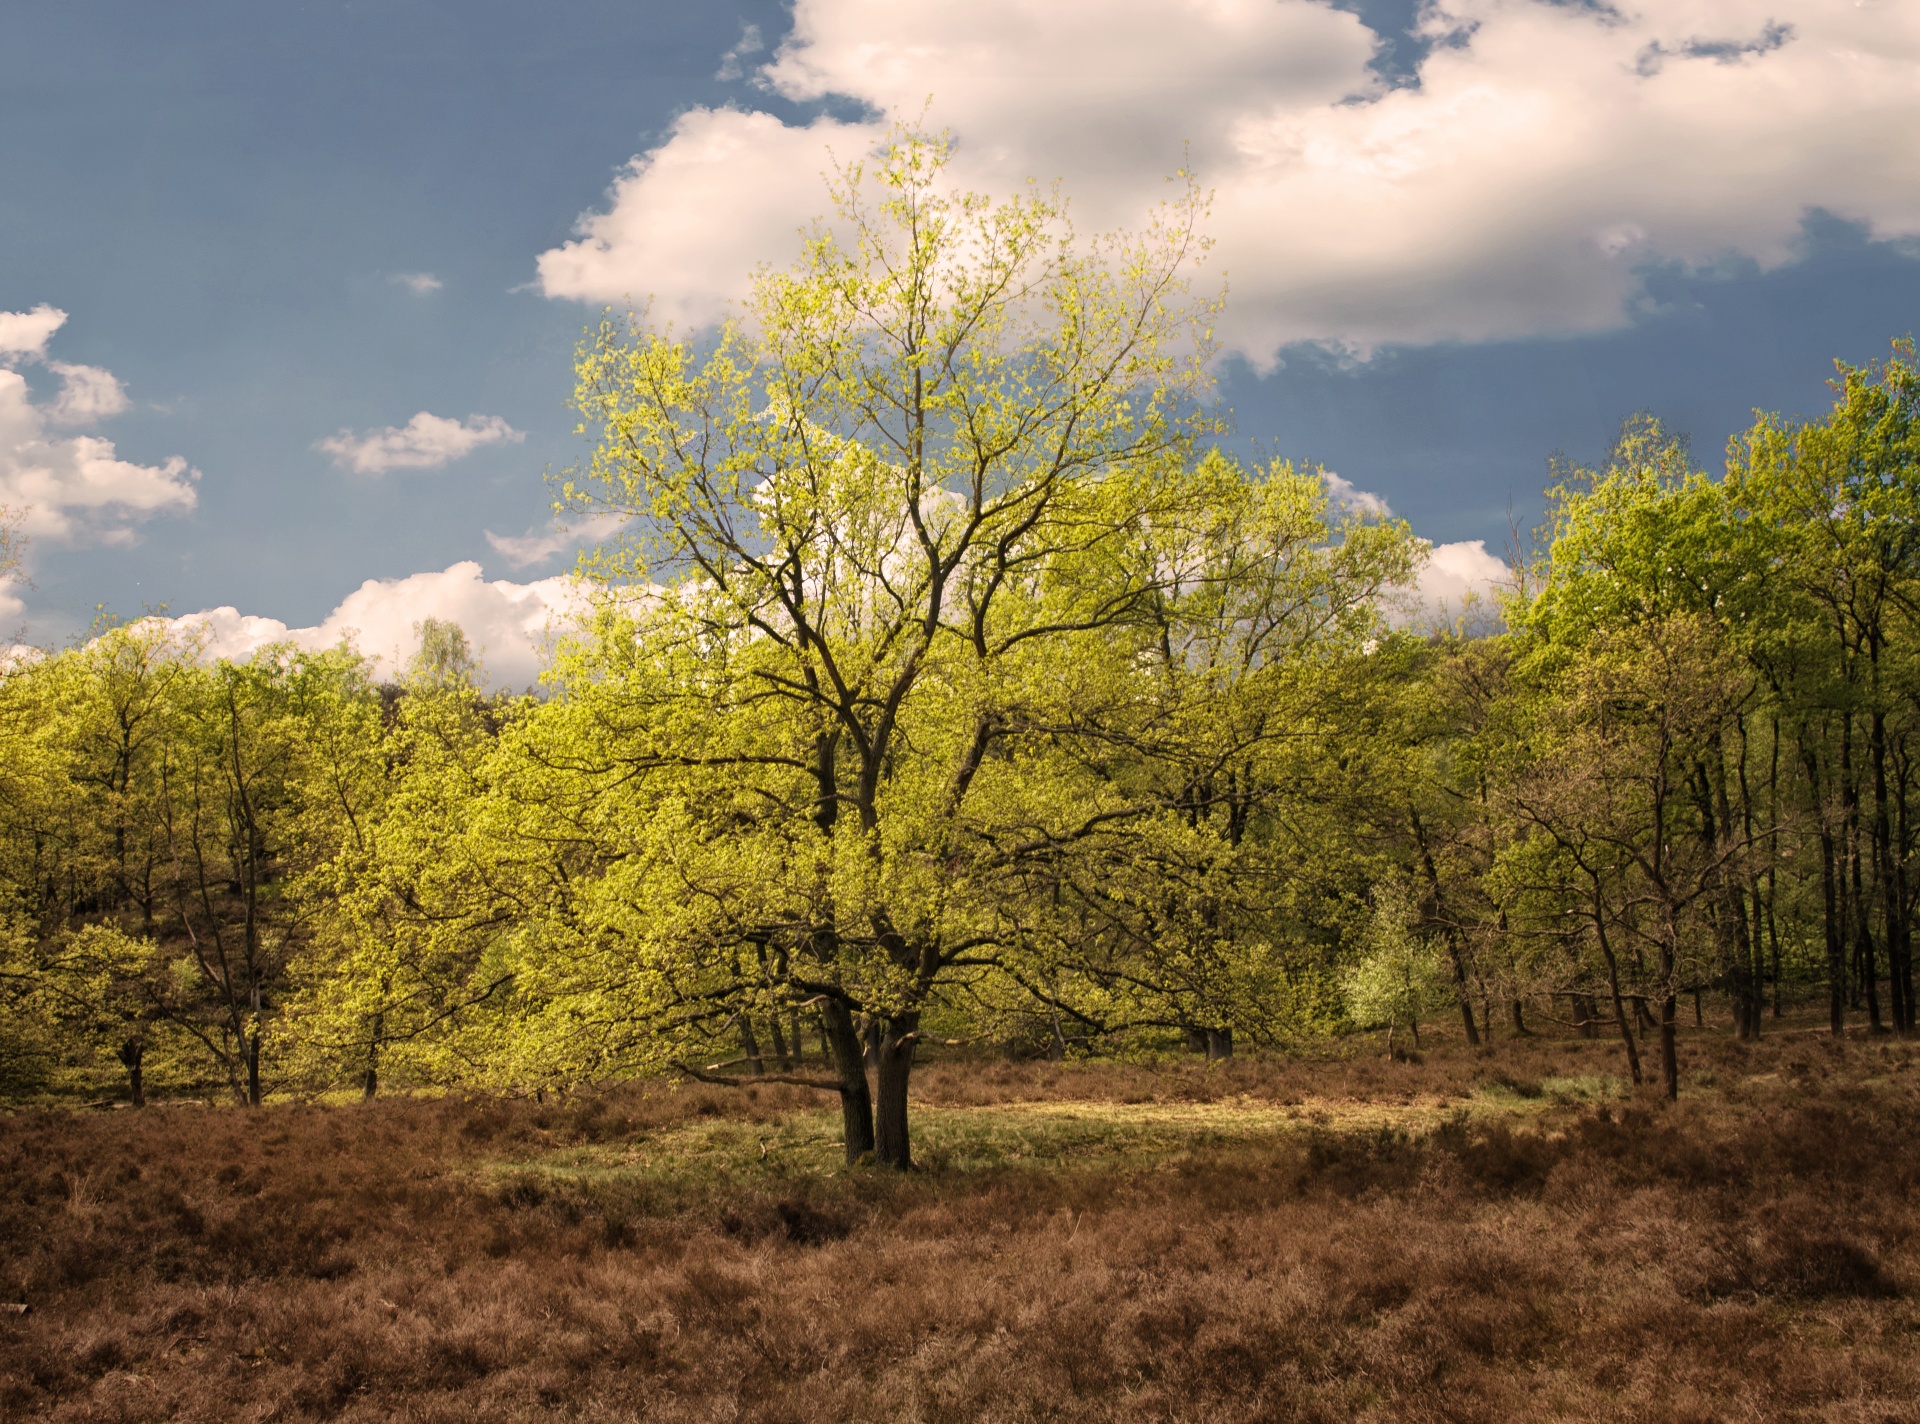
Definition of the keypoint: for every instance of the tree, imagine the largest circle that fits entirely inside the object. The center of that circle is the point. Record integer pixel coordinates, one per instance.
(1398, 974)
(880, 514)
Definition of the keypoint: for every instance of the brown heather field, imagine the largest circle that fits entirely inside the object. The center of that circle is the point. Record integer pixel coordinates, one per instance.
(1502, 1235)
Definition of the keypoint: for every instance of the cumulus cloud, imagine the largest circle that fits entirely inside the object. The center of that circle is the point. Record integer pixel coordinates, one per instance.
(27, 333)
(1544, 156)
(419, 283)
(1459, 579)
(74, 488)
(537, 546)
(1345, 494)
(510, 625)
(87, 394)
(424, 443)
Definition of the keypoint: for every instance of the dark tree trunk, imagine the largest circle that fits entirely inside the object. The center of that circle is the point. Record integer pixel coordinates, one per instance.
(750, 1046)
(898, 1039)
(1195, 1039)
(1887, 874)
(1583, 1016)
(370, 1083)
(133, 1055)
(253, 1068)
(1456, 957)
(1613, 984)
(1669, 1025)
(1520, 1029)
(856, 1100)
(1219, 1044)
(779, 1041)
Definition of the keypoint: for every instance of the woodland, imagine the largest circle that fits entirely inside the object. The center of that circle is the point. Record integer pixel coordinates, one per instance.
(953, 687)
(1001, 908)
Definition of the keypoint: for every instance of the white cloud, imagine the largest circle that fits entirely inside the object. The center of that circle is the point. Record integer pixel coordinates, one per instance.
(1459, 577)
(424, 443)
(731, 66)
(1547, 154)
(525, 550)
(26, 333)
(419, 283)
(1348, 496)
(87, 394)
(74, 488)
(510, 625)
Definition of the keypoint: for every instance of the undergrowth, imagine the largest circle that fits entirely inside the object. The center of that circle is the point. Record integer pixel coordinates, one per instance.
(1510, 1233)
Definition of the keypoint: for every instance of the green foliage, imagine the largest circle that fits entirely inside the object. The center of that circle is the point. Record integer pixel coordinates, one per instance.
(1396, 978)
(948, 685)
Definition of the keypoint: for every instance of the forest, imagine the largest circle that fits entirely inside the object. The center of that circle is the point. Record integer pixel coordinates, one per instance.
(954, 686)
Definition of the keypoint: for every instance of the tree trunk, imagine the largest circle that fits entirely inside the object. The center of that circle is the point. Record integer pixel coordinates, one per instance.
(132, 1054)
(779, 1041)
(1669, 1025)
(1613, 983)
(1455, 956)
(1195, 1039)
(856, 1100)
(1520, 1029)
(750, 1046)
(253, 1068)
(1219, 1044)
(1886, 873)
(892, 1146)
(1583, 1016)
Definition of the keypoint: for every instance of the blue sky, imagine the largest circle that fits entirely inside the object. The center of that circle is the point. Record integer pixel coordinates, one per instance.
(1456, 240)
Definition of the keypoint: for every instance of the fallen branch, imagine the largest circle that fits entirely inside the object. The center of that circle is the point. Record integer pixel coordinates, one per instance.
(825, 1085)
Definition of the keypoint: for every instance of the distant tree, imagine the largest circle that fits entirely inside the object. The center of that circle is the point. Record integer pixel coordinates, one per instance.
(445, 658)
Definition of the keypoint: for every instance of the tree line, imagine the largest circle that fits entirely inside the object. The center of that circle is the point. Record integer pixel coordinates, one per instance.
(952, 684)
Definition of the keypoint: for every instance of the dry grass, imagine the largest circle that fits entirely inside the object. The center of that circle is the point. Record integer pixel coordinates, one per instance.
(1497, 1236)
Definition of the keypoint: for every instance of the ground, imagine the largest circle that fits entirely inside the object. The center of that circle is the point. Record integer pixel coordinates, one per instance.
(1501, 1234)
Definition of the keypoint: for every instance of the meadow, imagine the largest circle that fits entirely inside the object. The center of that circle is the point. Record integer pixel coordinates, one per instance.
(1493, 1234)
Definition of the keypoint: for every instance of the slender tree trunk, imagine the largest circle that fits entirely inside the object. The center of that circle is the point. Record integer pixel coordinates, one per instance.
(856, 1099)
(1520, 1029)
(133, 1054)
(253, 1065)
(1885, 869)
(1862, 913)
(1450, 931)
(779, 1040)
(1219, 1044)
(1613, 982)
(749, 1045)
(898, 1040)
(1669, 1019)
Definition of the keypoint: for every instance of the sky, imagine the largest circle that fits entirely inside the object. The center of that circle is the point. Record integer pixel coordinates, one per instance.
(289, 293)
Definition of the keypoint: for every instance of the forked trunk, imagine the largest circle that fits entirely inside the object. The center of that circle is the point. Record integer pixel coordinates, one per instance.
(892, 1145)
(856, 1101)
